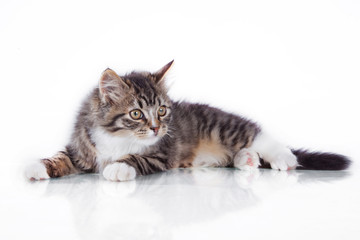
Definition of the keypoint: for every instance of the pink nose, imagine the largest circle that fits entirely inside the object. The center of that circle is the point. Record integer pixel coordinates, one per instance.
(155, 129)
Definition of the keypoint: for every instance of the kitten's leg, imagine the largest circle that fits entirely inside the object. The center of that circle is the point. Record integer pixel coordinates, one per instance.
(57, 166)
(278, 155)
(131, 166)
(247, 159)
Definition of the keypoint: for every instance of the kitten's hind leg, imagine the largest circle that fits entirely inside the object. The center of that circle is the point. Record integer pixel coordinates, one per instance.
(57, 166)
(246, 159)
(278, 155)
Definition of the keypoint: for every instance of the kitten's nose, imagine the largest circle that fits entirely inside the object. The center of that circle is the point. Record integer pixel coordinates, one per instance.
(155, 129)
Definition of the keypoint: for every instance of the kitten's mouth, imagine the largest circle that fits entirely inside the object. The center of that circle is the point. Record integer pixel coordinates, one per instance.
(155, 130)
(153, 135)
(150, 139)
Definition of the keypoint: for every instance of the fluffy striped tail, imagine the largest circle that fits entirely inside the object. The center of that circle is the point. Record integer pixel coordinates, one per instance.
(320, 160)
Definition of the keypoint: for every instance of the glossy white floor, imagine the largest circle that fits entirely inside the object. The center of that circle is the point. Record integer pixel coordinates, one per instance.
(184, 204)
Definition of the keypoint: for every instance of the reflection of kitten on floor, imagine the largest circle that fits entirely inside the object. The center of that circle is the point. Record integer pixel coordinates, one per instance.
(160, 203)
(157, 203)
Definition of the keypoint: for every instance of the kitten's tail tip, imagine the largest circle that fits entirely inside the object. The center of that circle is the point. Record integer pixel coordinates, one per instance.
(309, 160)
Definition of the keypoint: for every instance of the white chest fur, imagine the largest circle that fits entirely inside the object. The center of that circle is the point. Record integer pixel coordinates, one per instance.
(112, 148)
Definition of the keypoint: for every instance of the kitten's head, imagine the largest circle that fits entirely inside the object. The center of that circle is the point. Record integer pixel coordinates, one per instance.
(135, 104)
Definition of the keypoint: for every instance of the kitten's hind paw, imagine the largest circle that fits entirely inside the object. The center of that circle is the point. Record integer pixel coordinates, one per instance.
(246, 159)
(284, 161)
(119, 172)
(36, 171)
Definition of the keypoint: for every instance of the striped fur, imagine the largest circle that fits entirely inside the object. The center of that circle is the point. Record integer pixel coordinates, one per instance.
(187, 135)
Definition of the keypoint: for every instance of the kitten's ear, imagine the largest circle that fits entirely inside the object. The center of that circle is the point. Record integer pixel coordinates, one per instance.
(111, 86)
(159, 75)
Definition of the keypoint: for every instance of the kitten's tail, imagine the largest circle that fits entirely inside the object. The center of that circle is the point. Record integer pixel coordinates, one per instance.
(320, 160)
(308, 160)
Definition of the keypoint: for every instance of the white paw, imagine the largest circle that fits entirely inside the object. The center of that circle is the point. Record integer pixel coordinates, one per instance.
(119, 172)
(247, 159)
(36, 171)
(284, 161)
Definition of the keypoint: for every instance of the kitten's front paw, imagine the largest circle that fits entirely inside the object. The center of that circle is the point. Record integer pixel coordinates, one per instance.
(284, 161)
(36, 171)
(119, 172)
(247, 159)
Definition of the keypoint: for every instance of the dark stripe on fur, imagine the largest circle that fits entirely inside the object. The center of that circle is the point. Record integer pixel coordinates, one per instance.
(145, 165)
(140, 167)
(140, 104)
(162, 160)
(150, 167)
(154, 99)
(115, 129)
(145, 100)
(130, 124)
(137, 90)
(114, 119)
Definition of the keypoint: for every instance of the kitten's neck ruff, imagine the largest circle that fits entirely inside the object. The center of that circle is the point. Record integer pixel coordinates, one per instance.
(112, 148)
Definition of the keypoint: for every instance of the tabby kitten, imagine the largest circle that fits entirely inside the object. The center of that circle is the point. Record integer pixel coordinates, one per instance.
(128, 127)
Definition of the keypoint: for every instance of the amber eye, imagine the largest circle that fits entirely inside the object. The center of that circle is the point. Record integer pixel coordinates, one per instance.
(136, 114)
(162, 111)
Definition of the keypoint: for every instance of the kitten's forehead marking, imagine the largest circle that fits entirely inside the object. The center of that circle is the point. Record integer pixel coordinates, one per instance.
(139, 104)
(145, 100)
(145, 89)
(144, 103)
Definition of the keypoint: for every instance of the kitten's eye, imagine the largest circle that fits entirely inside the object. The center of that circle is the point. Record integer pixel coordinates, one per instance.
(162, 111)
(136, 114)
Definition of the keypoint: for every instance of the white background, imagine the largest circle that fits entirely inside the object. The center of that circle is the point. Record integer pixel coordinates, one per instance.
(293, 66)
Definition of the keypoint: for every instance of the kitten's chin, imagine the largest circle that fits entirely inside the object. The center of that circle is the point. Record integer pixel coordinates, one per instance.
(150, 140)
